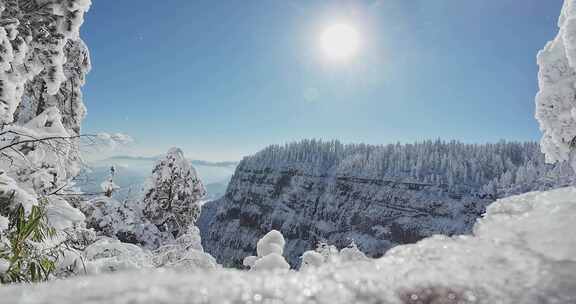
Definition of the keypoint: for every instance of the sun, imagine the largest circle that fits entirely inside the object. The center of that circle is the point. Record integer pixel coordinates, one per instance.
(340, 41)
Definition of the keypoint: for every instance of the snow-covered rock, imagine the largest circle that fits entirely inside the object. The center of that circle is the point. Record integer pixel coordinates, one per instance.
(377, 196)
(172, 201)
(521, 251)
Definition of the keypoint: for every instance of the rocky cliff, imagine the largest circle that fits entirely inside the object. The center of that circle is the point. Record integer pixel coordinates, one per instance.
(376, 196)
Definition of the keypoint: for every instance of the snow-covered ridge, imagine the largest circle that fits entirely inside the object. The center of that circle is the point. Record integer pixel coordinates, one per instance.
(377, 196)
(521, 252)
(452, 164)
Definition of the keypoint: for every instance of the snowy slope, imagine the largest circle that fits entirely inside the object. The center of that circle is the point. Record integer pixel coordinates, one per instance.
(522, 251)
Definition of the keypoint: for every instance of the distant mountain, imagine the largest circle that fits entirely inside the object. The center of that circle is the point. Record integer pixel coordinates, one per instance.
(133, 171)
(214, 164)
(194, 162)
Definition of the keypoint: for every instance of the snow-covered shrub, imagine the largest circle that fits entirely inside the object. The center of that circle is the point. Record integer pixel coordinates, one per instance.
(329, 254)
(269, 249)
(108, 186)
(41, 234)
(172, 200)
(310, 260)
(186, 253)
(111, 255)
(352, 254)
(25, 255)
(123, 221)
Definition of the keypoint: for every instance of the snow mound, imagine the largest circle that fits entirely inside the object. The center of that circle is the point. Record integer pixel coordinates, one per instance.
(522, 251)
(272, 242)
(270, 249)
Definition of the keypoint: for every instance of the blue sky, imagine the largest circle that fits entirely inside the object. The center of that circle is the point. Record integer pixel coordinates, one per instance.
(223, 79)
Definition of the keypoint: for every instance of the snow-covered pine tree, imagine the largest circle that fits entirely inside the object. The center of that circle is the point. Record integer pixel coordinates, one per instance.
(172, 200)
(108, 186)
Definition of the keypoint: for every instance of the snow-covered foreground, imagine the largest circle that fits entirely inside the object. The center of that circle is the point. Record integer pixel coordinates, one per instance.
(522, 251)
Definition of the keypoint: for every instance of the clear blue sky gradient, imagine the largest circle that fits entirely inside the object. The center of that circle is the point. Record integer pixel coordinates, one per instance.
(223, 79)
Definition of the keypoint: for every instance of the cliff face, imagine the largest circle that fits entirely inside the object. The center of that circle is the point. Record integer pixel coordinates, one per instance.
(376, 196)
(308, 209)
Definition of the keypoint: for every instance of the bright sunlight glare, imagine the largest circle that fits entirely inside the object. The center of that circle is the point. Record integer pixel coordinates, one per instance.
(340, 41)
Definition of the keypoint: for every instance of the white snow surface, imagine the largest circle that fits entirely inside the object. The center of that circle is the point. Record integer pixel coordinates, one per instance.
(522, 251)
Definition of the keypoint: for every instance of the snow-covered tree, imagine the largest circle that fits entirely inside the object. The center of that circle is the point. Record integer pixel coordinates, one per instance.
(556, 100)
(43, 63)
(108, 186)
(37, 38)
(172, 200)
